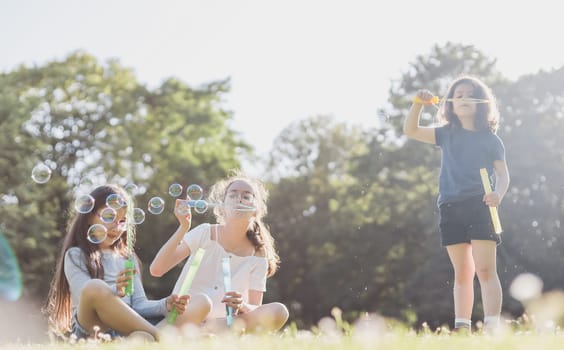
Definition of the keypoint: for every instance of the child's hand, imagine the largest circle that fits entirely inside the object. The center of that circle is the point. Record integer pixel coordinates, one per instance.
(492, 199)
(233, 300)
(122, 280)
(423, 97)
(182, 213)
(177, 302)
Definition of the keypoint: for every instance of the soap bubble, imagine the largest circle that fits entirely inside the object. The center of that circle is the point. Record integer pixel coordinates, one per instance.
(97, 233)
(195, 192)
(175, 190)
(115, 201)
(183, 208)
(131, 188)
(108, 215)
(41, 173)
(156, 205)
(84, 203)
(138, 216)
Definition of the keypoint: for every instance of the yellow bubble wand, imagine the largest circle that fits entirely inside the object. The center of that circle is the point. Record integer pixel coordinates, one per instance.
(187, 283)
(493, 210)
(435, 101)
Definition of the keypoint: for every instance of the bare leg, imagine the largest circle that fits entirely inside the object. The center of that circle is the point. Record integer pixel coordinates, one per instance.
(100, 307)
(265, 318)
(484, 253)
(463, 263)
(196, 311)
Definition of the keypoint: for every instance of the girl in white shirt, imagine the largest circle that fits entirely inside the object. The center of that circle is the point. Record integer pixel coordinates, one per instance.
(241, 236)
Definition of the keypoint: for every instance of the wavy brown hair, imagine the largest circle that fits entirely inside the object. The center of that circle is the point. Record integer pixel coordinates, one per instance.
(58, 307)
(257, 232)
(487, 114)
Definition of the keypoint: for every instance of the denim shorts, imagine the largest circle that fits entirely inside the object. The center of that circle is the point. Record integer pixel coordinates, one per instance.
(79, 332)
(467, 220)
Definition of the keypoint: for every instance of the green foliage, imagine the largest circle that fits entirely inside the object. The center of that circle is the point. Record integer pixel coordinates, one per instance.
(87, 119)
(353, 211)
(356, 217)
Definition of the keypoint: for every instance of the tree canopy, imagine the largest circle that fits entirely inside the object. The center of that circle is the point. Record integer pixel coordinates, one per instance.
(353, 210)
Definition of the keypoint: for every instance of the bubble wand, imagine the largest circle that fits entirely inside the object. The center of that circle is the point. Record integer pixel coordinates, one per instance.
(227, 285)
(201, 206)
(129, 263)
(493, 210)
(435, 100)
(194, 266)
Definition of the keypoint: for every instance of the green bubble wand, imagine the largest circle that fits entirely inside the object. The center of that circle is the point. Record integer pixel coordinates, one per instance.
(194, 266)
(129, 263)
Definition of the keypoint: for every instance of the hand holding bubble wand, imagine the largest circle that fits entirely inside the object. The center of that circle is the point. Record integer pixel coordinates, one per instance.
(187, 283)
(493, 210)
(225, 264)
(435, 100)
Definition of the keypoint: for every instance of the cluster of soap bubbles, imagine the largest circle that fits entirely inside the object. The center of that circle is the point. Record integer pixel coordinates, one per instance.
(195, 194)
(97, 233)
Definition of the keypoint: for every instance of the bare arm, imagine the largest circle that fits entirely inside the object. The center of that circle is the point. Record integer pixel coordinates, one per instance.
(411, 126)
(493, 199)
(175, 249)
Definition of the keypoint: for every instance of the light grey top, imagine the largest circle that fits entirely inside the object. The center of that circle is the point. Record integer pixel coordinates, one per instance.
(77, 275)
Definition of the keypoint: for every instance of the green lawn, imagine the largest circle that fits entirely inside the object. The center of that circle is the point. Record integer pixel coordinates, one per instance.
(369, 336)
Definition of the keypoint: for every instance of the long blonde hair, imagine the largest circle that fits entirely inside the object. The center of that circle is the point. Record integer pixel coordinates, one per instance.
(257, 232)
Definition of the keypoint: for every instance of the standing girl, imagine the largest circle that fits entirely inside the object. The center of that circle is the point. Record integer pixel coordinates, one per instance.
(88, 290)
(241, 236)
(468, 142)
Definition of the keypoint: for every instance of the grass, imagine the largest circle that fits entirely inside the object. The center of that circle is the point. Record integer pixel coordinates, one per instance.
(372, 332)
(310, 341)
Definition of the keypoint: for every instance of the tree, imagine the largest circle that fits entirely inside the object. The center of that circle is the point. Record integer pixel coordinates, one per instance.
(357, 219)
(88, 120)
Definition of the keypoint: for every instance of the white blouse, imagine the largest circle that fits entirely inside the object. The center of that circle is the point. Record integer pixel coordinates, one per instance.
(247, 272)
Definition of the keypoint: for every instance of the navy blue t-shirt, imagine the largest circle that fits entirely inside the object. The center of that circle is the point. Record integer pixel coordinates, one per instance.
(464, 153)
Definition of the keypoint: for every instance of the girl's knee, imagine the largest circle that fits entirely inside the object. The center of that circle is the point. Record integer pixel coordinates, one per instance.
(280, 311)
(275, 315)
(198, 309)
(464, 274)
(94, 289)
(486, 273)
(466, 278)
(202, 302)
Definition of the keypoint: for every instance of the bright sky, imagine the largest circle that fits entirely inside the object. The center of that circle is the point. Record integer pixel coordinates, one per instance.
(289, 59)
